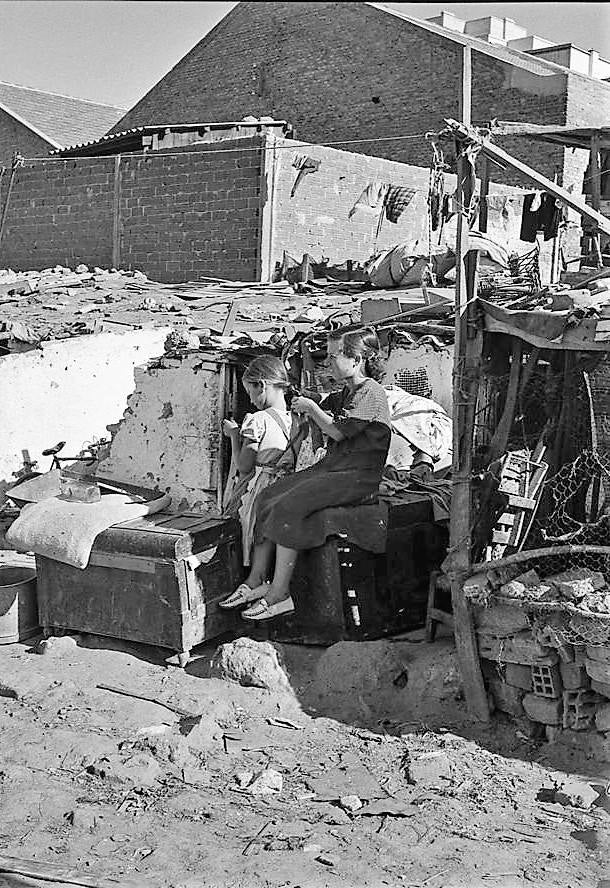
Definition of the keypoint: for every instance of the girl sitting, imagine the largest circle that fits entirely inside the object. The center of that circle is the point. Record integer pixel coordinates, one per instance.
(288, 513)
(266, 445)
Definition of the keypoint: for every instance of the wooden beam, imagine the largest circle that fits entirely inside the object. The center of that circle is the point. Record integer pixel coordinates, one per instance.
(595, 173)
(483, 209)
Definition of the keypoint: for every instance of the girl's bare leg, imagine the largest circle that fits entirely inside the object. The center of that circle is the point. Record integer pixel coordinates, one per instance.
(285, 561)
(260, 568)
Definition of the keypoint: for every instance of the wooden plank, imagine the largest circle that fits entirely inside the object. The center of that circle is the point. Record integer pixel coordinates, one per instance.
(466, 86)
(484, 210)
(52, 872)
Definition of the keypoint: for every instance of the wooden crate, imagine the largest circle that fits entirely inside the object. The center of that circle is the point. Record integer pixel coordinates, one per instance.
(155, 580)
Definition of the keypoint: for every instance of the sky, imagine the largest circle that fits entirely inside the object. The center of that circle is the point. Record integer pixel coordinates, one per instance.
(114, 51)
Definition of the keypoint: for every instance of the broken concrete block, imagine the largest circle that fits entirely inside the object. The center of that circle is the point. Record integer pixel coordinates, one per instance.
(267, 782)
(577, 582)
(599, 652)
(573, 676)
(546, 680)
(598, 670)
(500, 620)
(576, 793)
(520, 648)
(602, 718)
(476, 587)
(506, 697)
(601, 687)
(543, 709)
(350, 803)
(513, 589)
(579, 709)
(253, 664)
(518, 676)
(430, 768)
(58, 645)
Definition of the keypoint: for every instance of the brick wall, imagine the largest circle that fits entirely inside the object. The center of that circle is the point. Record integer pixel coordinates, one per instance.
(60, 212)
(183, 214)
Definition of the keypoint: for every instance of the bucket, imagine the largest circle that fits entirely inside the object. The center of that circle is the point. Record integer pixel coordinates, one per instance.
(18, 605)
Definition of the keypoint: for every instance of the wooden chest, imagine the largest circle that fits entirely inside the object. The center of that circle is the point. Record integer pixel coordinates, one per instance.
(155, 580)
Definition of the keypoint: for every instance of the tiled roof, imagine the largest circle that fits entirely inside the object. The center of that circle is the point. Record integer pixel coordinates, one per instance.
(502, 53)
(61, 120)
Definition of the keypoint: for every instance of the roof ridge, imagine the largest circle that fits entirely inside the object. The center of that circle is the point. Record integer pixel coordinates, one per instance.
(47, 92)
(471, 40)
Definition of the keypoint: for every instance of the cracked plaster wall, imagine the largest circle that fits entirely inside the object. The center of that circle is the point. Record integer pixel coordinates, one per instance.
(169, 435)
(67, 390)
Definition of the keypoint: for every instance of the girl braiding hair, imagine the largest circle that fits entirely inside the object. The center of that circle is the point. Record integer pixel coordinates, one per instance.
(365, 344)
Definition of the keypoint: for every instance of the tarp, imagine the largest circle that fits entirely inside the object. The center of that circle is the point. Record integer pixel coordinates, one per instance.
(548, 329)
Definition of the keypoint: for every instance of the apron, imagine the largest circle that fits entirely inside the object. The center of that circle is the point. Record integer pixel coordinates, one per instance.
(263, 476)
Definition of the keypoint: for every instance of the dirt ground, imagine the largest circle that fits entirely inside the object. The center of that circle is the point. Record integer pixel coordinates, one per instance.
(117, 790)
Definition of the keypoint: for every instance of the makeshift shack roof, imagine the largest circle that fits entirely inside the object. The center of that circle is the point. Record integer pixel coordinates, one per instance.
(558, 330)
(568, 136)
(59, 119)
(133, 139)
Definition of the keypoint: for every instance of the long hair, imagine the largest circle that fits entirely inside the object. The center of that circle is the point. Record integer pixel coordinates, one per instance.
(365, 344)
(266, 368)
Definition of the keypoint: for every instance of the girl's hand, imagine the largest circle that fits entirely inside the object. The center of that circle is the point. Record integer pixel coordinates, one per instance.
(229, 428)
(302, 405)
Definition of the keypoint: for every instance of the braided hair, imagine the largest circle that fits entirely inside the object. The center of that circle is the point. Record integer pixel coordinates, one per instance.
(365, 344)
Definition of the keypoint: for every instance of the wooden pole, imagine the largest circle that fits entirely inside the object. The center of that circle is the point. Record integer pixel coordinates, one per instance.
(465, 112)
(466, 365)
(116, 214)
(596, 192)
(483, 209)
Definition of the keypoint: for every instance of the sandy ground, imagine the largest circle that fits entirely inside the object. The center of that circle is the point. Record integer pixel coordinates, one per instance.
(114, 788)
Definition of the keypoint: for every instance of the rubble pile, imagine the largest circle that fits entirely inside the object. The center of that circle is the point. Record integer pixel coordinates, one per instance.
(544, 645)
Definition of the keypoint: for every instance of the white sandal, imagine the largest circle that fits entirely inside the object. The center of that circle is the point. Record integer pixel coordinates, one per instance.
(242, 595)
(262, 610)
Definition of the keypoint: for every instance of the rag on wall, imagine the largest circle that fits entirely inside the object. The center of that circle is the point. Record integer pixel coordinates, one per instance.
(397, 199)
(304, 164)
(371, 201)
(540, 213)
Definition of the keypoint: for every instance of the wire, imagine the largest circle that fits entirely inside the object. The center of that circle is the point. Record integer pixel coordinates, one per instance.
(296, 144)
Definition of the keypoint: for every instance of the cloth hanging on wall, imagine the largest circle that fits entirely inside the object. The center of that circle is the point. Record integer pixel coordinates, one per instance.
(304, 164)
(397, 199)
(545, 218)
(371, 200)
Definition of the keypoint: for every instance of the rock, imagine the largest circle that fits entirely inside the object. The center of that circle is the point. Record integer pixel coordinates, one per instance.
(350, 803)
(337, 817)
(253, 664)
(543, 709)
(577, 582)
(86, 817)
(82, 268)
(58, 645)
(573, 676)
(598, 670)
(521, 648)
(267, 782)
(601, 687)
(244, 778)
(519, 676)
(430, 768)
(500, 620)
(602, 718)
(576, 793)
(599, 652)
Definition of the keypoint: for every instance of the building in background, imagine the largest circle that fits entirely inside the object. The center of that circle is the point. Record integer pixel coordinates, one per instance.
(34, 122)
(362, 71)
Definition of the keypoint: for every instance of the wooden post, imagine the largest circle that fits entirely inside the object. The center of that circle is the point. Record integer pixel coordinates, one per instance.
(466, 365)
(466, 86)
(116, 214)
(596, 192)
(483, 209)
